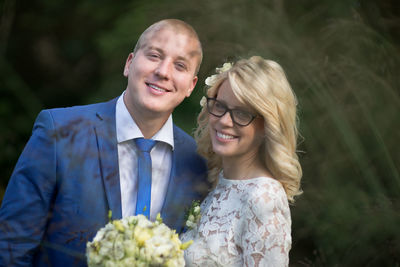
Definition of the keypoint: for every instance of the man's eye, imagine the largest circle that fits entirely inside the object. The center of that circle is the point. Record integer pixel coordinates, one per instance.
(153, 55)
(180, 66)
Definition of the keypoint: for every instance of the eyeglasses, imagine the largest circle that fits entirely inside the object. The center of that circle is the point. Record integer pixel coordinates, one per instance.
(218, 109)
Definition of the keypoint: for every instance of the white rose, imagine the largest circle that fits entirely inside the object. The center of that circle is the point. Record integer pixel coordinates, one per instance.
(224, 67)
(105, 248)
(203, 101)
(210, 81)
(119, 251)
(190, 224)
(99, 236)
(196, 210)
(191, 218)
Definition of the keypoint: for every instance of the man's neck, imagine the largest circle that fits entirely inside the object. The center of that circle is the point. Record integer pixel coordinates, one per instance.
(149, 122)
(149, 126)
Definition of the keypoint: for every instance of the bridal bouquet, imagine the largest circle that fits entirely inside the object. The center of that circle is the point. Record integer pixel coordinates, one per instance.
(136, 241)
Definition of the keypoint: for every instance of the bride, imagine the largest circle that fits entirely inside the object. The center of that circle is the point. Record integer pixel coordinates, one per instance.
(247, 131)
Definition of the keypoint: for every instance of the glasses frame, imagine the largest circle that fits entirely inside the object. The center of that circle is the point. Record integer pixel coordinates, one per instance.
(228, 110)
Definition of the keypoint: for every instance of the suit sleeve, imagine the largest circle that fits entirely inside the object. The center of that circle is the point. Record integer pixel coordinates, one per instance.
(27, 201)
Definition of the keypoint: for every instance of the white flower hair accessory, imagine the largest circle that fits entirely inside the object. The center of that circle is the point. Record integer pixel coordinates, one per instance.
(203, 101)
(210, 81)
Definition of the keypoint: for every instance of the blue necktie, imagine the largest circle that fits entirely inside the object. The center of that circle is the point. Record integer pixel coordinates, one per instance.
(144, 176)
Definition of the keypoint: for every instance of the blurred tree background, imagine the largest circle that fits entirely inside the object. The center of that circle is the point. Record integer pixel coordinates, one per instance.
(341, 56)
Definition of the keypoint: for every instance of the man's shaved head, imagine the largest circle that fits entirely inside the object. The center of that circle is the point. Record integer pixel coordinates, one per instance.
(176, 25)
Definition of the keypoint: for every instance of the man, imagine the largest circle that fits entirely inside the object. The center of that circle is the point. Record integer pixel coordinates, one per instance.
(82, 162)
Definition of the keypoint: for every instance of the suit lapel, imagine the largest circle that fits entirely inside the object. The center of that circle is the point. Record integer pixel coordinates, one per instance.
(105, 130)
(177, 197)
(168, 202)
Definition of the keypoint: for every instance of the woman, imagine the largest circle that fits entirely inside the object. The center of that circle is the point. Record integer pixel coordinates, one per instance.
(247, 131)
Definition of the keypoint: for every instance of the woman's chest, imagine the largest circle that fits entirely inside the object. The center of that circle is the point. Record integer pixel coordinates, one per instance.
(223, 214)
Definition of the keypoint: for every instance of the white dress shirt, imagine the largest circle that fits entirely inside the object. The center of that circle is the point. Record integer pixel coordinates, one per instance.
(161, 157)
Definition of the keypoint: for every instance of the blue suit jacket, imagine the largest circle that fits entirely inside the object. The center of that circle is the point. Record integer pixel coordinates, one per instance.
(67, 179)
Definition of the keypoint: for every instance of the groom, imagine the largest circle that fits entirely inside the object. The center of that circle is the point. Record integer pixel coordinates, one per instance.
(82, 162)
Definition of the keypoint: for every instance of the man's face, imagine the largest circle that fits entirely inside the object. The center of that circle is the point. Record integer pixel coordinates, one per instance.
(161, 73)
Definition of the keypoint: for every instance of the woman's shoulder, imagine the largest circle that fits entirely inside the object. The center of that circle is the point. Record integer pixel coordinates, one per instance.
(266, 193)
(266, 185)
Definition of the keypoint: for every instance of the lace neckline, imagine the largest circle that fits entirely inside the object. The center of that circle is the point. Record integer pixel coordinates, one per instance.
(225, 181)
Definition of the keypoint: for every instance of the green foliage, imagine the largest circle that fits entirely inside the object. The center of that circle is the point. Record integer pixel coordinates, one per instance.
(341, 57)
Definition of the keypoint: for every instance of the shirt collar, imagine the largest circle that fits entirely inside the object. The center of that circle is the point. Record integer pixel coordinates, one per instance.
(127, 128)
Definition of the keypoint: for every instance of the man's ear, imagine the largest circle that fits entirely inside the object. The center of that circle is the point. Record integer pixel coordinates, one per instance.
(193, 85)
(127, 64)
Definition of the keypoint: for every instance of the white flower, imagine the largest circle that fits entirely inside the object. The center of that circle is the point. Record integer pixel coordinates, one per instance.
(203, 101)
(190, 224)
(100, 234)
(193, 215)
(135, 241)
(224, 67)
(210, 81)
(118, 248)
(196, 210)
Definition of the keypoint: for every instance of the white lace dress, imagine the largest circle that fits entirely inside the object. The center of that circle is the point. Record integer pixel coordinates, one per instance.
(243, 223)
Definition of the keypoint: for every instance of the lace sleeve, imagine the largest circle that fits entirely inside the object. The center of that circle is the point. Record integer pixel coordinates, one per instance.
(267, 227)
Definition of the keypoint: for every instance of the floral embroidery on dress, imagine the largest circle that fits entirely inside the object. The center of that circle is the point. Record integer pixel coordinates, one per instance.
(243, 223)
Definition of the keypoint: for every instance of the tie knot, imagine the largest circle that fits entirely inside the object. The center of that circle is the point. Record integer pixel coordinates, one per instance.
(145, 145)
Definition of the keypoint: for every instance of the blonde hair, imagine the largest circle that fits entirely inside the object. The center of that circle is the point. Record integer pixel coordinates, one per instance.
(262, 85)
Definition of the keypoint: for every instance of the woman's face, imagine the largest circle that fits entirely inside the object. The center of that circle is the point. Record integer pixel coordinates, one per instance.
(229, 140)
